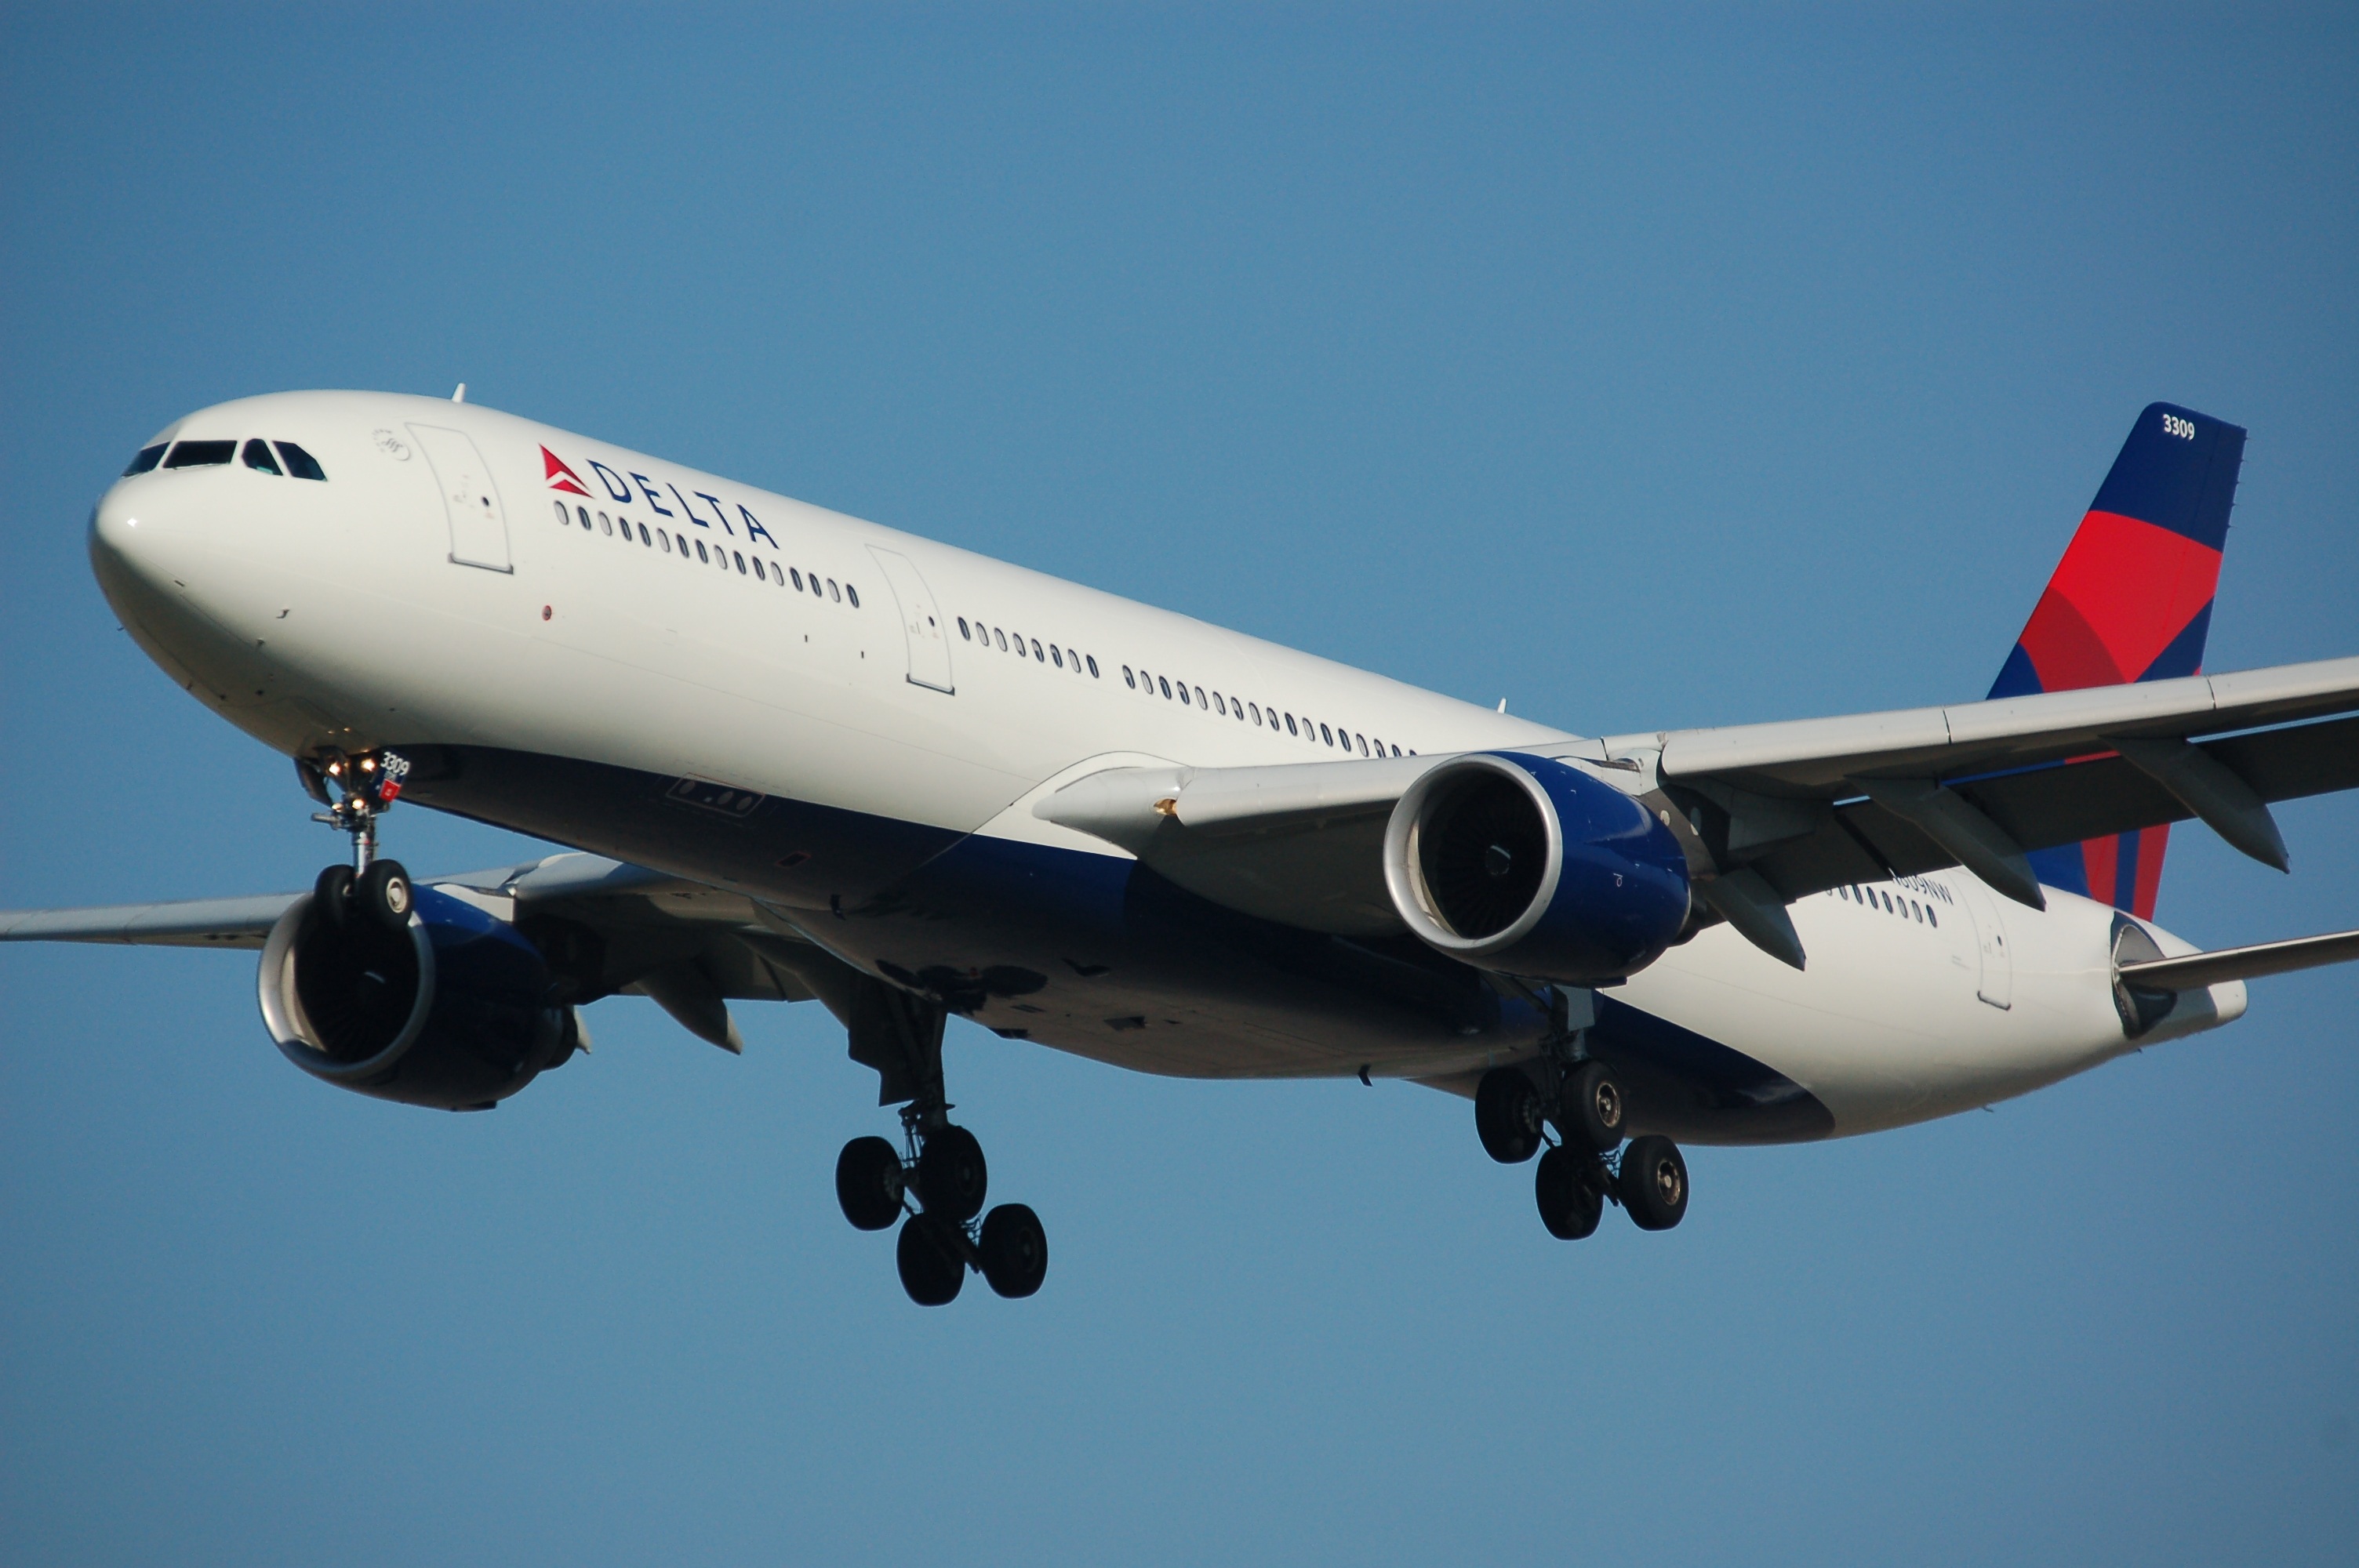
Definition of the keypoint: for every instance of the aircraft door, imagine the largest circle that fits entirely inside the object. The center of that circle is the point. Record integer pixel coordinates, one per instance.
(1997, 986)
(479, 529)
(929, 650)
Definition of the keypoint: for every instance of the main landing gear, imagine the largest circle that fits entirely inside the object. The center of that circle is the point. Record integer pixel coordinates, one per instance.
(1514, 1107)
(933, 1185)
(372, 890)
(943, 1172)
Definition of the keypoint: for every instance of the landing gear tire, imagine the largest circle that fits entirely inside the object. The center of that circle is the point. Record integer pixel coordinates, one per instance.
(1594, 1112)
(1014, 1250)
(868, 1181)
(1654, 1182)
(1507, 1115)
(1570, 1199)
(383, 894)
(932, 1267)
(331, 894)
(951, 1176)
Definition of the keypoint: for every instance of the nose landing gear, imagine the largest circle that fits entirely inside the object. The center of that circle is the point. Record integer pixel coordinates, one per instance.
(1577, 1095)
(371, 890)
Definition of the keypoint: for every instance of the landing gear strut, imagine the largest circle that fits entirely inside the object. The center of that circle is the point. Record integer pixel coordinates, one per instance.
(371, 890)
(934, 1186)
(1573, 1092)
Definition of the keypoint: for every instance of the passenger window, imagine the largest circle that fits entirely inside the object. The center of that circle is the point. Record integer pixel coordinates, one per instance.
(1932, 919)
(1093, 667)
(964, 635)
(1200, 697)
(1129, 679)
(798, 576)
(257, 456)
(643, 535)
(1887, 904)
(741, 562)
(1326, 735)
(200, 454)
(1363, 741)
(1397, 751)
(852, 594)
(1256, 711)
(663, 541)
(1037, 656)
(1289, 723)
(701, 555)
(1166, 685)
(832, 592)
(583, 512)
(150, 456)
(1056, 657)
(300, 463)
(605, 524)
(564, 518)
(1002, 638)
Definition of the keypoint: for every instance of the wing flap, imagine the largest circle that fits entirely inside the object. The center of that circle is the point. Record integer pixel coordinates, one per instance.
(2061, 804)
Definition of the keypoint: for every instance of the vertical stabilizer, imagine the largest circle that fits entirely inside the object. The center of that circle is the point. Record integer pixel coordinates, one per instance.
(2131, 601)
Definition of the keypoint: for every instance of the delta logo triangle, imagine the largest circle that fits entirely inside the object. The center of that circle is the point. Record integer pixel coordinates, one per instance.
(560, 477)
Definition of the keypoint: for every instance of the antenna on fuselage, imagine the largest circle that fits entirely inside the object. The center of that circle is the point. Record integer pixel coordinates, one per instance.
(460, 395)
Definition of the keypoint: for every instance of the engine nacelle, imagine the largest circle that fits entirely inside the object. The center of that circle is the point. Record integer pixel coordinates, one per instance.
(1532, 867)
(454, 1011)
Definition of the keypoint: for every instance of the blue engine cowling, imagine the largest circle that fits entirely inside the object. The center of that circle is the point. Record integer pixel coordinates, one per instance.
(456, 1013)
(1533, 867)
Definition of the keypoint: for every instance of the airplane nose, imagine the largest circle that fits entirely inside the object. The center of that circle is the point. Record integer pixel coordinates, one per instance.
(114, 526)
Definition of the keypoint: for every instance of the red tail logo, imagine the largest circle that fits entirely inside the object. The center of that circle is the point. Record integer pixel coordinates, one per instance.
(560, 477)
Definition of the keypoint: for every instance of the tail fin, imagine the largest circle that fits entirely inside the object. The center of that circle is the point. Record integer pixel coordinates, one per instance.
(2131, 601)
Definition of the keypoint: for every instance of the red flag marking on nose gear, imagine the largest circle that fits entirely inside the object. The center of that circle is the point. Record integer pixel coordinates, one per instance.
(570, 483)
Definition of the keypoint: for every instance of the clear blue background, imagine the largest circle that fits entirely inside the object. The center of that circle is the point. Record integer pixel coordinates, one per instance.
(1644, 371)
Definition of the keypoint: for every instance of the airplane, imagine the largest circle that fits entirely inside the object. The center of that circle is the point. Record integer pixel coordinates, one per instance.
(798, 756)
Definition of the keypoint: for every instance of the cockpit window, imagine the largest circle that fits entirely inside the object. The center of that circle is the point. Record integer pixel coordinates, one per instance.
(257, 456)
(300, 463)
(148, 459)
(200, 454)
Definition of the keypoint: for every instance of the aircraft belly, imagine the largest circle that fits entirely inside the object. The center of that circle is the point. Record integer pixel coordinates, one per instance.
(1096, 955)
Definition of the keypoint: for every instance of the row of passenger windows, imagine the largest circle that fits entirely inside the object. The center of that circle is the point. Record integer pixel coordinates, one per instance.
(1242, 711)
(1006, 641)
(1178, 691)
(719, 555)
(1904, 906)
(289, 459)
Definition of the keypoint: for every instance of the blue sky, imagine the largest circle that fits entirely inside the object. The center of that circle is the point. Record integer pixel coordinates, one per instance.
(1645, 371)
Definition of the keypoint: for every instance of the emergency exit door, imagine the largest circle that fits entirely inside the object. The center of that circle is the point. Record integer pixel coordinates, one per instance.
(479, 529)
(921, 625)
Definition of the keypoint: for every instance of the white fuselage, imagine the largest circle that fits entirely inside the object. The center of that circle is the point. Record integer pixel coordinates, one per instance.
(405, 601)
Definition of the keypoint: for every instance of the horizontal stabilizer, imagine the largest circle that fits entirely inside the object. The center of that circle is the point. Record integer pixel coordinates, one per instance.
(2198, 969)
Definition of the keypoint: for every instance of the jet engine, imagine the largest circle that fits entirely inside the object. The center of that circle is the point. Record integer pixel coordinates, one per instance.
(1535, 868)
(454, 1011)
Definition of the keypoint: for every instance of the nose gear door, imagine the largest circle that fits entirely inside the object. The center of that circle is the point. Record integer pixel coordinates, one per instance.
(929, 650)
(479, 529)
